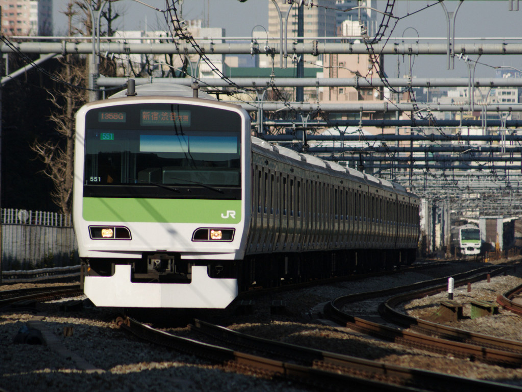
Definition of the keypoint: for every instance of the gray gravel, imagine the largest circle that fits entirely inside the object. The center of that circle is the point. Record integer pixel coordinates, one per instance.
(130, 365)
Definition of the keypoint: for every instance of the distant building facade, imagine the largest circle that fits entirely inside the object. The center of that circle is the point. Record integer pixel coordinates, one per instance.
(319, 21)
(162, 65)
(26, 17)
(361, 12)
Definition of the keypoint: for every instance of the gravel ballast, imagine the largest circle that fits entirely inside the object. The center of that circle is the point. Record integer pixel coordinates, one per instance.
(123, 363)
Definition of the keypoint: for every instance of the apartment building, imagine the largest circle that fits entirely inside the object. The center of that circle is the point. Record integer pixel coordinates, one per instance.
(360, 11)
(26, 17)
(318, 21)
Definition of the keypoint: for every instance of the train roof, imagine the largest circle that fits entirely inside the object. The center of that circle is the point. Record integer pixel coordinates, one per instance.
(312, 160)
(163, 89)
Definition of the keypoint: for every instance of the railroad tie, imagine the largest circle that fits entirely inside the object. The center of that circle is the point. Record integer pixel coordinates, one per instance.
(448, 311)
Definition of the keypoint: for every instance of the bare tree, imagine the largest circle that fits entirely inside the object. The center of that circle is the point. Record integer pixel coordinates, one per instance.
(69, 96)
(58, 154)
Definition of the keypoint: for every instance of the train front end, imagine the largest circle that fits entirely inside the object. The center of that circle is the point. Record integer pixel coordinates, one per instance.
(470, 243)
(159, 201)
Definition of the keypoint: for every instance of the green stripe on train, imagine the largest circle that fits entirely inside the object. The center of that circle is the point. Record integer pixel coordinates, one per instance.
(161, 210)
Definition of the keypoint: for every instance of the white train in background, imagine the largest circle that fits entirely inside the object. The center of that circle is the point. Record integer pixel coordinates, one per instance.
(465, 241)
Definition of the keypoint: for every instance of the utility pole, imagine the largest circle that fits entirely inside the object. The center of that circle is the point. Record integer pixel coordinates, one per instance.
(299, 91)
(1, 70)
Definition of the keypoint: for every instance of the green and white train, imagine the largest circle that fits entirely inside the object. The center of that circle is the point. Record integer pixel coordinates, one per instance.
(466, 241)
(176, 205)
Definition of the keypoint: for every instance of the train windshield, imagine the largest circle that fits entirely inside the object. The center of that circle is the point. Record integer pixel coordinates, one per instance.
(470, 235)
(130, 149)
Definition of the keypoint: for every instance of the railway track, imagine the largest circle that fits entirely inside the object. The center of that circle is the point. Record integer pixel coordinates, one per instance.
(24, 297)
(511, 300)
(424, 334)
(311, 367)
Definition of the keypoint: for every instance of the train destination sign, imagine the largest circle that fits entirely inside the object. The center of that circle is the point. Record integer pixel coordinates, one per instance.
(165, 117)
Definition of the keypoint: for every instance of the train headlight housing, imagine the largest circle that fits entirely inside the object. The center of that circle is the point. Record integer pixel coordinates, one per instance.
(213, 234)
(109, 233)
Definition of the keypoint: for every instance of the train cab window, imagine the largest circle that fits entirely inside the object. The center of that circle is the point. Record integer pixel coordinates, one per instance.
(149, 149)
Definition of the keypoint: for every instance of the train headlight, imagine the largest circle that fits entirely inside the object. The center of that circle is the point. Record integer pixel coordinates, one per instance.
(216, 234)
(213, 234)
(107, 233)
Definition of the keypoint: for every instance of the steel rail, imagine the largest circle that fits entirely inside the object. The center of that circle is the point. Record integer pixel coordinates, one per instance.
(326, 360)
(464, 350)
(40, 275)
(505, 300)
(388, 312)
(239, 361)
(8, 298)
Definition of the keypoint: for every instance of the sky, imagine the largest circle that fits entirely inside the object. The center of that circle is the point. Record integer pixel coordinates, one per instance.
(474, 18)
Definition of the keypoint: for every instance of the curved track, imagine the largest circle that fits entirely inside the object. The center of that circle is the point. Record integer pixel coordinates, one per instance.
(316, 368)
(509, 301)
(451, 340)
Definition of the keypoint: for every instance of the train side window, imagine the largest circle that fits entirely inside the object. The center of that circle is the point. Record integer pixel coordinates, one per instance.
(372, 208)
(343, 203)
(259, 190)
(365, 206)
(285, 192)
(265, 193)
(336, 194)
(277, 195)
(292, 195)
(356, 204)
(272, 190)
(298, 199)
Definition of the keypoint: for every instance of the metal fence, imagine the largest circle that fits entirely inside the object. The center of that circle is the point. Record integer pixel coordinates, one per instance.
(37, 239)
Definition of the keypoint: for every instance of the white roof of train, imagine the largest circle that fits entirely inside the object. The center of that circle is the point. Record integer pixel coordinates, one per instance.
(364, 177)
(159, 89)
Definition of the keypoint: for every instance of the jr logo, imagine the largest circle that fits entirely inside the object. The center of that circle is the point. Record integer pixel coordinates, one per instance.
(230, 214)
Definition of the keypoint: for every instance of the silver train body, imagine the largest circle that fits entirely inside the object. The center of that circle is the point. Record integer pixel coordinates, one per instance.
(177, 206)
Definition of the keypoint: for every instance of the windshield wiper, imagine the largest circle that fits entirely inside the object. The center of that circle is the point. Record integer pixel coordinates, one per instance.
(163, 186)
(200, 184)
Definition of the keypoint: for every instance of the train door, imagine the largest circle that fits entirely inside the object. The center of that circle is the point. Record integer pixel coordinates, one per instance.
(277, 210)
(255, 221)
(298, 215)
